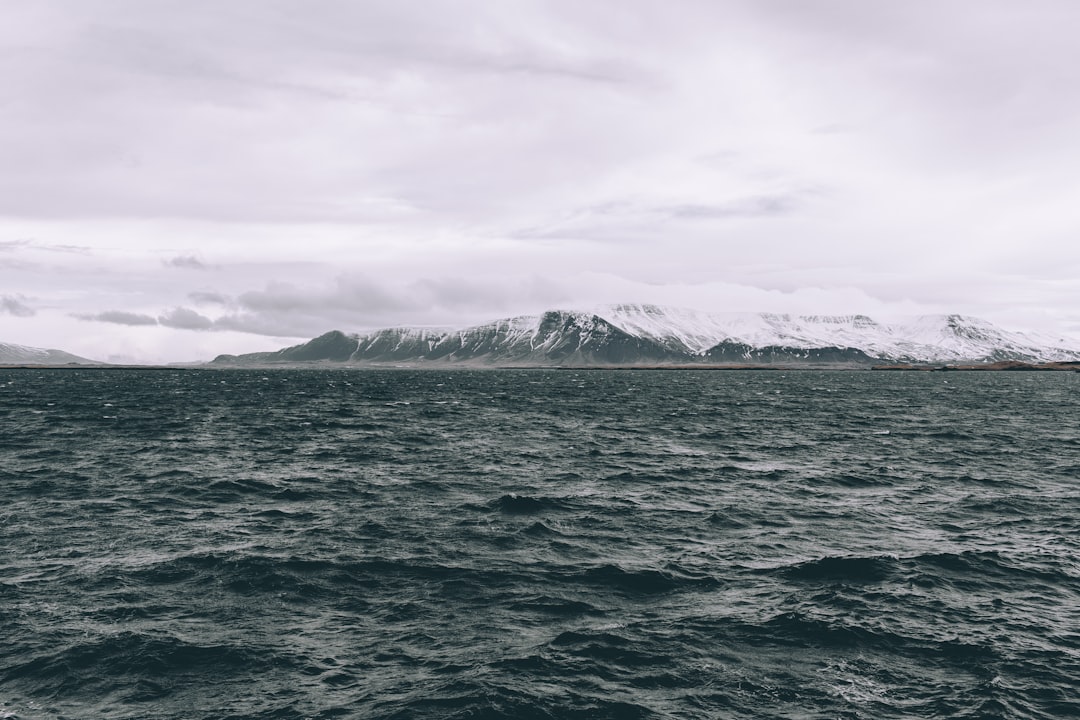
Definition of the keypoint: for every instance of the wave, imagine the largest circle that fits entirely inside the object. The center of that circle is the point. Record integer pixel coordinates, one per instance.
(476, 699)
(539, 529)
(728, 518)
(964, 570)
(514, 504)
(643, 582)
(554, 606)
(112, 663)
(842, 569)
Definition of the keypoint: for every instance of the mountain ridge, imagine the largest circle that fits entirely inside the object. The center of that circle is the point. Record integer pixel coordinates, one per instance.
(635, 334)
(13, 354)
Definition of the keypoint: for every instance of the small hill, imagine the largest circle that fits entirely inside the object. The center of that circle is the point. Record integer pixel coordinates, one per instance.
(11, 354)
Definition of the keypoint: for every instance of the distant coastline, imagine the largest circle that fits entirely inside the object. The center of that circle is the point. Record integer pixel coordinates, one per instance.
(1004, 366)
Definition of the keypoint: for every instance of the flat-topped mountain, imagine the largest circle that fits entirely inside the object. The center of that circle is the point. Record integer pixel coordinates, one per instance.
(11, 354)
(653, 335)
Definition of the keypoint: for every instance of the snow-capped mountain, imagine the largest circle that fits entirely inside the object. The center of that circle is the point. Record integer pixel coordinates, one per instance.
(925, 338)
(650, 334)
(556, 337)
(23, 355)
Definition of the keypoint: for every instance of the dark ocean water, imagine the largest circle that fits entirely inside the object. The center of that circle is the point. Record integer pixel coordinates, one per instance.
(539, 544)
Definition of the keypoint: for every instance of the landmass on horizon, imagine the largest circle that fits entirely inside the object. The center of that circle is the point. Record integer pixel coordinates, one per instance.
(12, 354)
(636, 335)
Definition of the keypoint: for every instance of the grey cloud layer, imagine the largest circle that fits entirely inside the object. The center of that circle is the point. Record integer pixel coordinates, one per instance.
(30, 244)
(374, 112)
(228, 112)
(208, 298)
(186, 319)
(189, 262)
(13, 305)
(199, 109)
(118, 317)
(285, 310)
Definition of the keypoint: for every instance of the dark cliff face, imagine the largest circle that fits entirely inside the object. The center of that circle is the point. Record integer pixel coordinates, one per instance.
(497, 341)
(567, 336)
(335, 346)
(403, 345)
(389, 346)
(559, 337)
(734, 352)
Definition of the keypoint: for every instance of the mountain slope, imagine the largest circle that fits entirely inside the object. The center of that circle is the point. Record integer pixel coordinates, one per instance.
(11, 354)
(926, 338)
(556, 337)
(649, 334)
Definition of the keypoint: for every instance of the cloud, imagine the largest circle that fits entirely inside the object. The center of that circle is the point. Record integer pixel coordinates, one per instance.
(239, 114)
(638, 220)
(761, 206)
(185, 319)
(274, 325)
(354, 302)
(118, 317)
(209, 298)
(189, 262)
(355, 293)
(13, 305)
(31, 244)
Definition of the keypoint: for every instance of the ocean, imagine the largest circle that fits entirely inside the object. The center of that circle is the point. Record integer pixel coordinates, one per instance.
(357, 543)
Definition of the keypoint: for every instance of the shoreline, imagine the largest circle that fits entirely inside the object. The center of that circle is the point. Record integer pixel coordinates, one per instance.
(1000, 366)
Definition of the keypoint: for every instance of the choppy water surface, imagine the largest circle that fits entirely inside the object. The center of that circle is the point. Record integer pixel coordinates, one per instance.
(539, 544)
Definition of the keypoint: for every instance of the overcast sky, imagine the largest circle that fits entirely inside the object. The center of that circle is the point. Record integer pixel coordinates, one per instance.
(184, 178)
